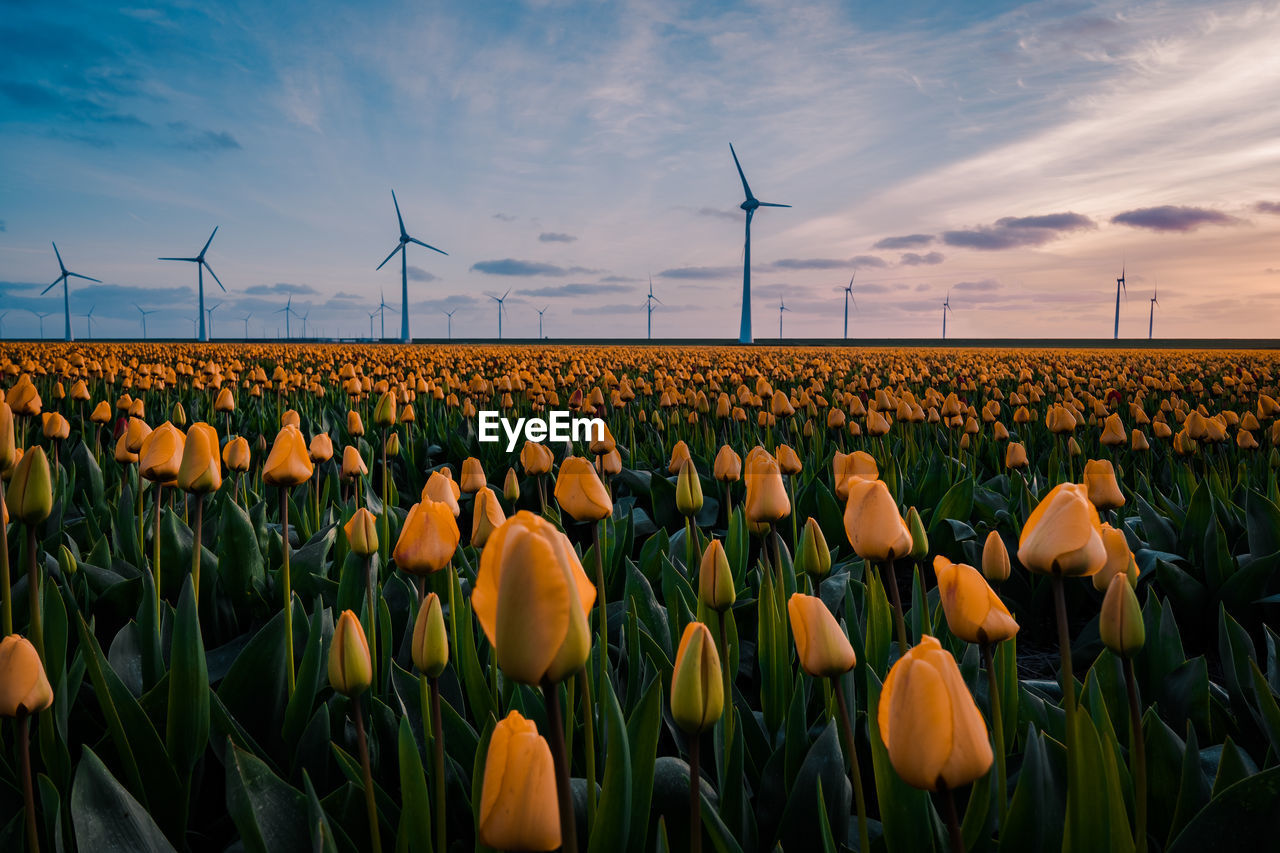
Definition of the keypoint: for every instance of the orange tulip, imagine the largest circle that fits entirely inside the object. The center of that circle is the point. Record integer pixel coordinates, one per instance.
(536, 459)
(321, 448)
(1119, 558)
(974, 612)
(679, 454)
(362, 532)
(441, 488)
(995, 559)
(788, 461)
(428, 538)
(353, 463)
(161, 454)
(201, 469)
(289, 463)
(767, 501)
(1063, 534)
(473, 479)
(580, 492)
(486, 516)
(350, 667)
(24, 687)
(873, 524)
(859, 463)
(518, 805)
(821, 644)
(929, 723)
(236, 454)
(728, 465)
(1100, 481)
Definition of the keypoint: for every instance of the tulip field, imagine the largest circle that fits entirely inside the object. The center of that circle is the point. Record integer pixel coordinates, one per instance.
(283, 598)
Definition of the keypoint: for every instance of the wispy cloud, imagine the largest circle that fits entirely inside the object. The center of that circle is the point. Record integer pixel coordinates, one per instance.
(283, 288)
(1261, 207)
(701, 273)
(511, 266)
(1168, 217)
(906, 241)
(555, 237)
(419, 274)
(578, 290)
(913, 259)
(1011, 232)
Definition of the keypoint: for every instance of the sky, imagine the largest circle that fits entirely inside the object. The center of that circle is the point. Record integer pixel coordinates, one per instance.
(1016, 156)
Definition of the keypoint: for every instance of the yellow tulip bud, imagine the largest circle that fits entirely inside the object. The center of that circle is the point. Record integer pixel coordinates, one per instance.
(511, 486)
(30, 494)
(384, 415)
(350, 667)
(486, 516)
(362, 532)
(1120, 622)
(697, 688)
(715, 579)
(430, 642)
(688, 490)
(813, 557)
(728, 465)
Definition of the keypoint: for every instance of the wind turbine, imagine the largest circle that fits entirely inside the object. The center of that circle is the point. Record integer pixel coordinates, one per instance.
(3, 314)
(144, 318)
(648, 304)
(1119, 287)
(286, 310)
(540, 313)
(1151, 321)
(201, 266)
(382, 310)
(946, 306)
(41, 316)
(405, 239)
(209, 313)
(749, 205)
(89, 319)
(450, 314)
(848, 295)
(372, 314)
(782, 306)
(304, 322)
(501, 308)
(245, 320)
(66, 297)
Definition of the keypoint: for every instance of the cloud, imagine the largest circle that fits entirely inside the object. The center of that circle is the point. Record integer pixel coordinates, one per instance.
(700, 273)
(1168, 217)
(608, 309)
(554, 237)
(717, 213)
(1012, 232)
(511, 266)
(505, 217)
(871, 288)
(986, 285)
(1271, 271)
(619, 278)
(906, 241)
(1261, 207)
(280, 287)
(577, 290)
(911, 259)
(826, 263)
(199, 139)
(419, 274)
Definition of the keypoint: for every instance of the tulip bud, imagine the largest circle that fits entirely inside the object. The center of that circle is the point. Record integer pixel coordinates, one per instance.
(291, 418)
(821, 644)
(350, 667)
(200, 471)
(8, 444)
(813, 557)
(67, 563)
(919, 539)
(974, 612)
(55, 426)
(1100, 481)
(30, 494)
(24, 687)
(728, 465)
(1015, 455)
(321, 448)
(580, 492)
(355, 426)
(353, 463)
(486, 516)
(995, 559)
(236, 454)
(393, 444)
(289, 463)
(518, 805)
(1120, 622)
(715, 579)
(384, 414)
(441, 488)
(788, 461)
(511, 486)
(160, 456)
(226, 402)
(178, 415)
(428, 538)
(1063, 534)
(536, 459)
(766, 501)
(473, 479)
(697, 688)
(929, 723)
(1119, 559)
(872, 523)
(430, 642)
(688, 490)
(122, 454)
(362, 532)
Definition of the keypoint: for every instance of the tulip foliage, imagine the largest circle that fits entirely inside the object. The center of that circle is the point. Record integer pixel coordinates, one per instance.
(822, 599)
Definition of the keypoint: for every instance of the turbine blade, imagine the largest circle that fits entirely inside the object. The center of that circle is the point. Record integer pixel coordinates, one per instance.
(505, 295)
(214, 274)
(399, 218)
(210, 240)
(390, 256)
(59, 254)
(52, 286)
(771, 204)
(657, 300)
(745, 188)
(192, 260)
(426, 246)
(85, 277)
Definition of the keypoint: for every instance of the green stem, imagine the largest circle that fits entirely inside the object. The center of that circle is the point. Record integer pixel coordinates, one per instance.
(1064, 648)
(28, 795)
(953, 820)
(1137, 758)
(695, 797)
(196, 549)
(370, 588)
(288, 587)
(437, 761)
(891, 581)
(997, 728)
(155, 548)
(371, 804)
(602, 615)
(589, 738)
(851, 751)
(33, 593)
(564, 794)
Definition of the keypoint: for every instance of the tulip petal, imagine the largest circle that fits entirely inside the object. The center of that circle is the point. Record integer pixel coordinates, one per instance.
(533, 609)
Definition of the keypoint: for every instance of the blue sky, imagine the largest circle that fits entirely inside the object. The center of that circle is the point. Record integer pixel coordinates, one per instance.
(1014, 154)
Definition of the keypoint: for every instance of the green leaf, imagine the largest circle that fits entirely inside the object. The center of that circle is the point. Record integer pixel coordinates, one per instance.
(415, 816)
(613, 814)
(1243, 817)
(1262, 524)
(270, 814)
(1035, 816)
(187, 728)
(106, 816)
(643, 729)
(823, 770)
(239, 558)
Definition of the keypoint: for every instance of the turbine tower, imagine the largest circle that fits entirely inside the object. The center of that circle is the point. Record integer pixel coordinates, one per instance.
(209, 314)
(286, 310)
(3, 314)
(749, 206)
(201, 266)
(144, 318)
(66, 296)
(88, 317)
(501, 307)
(782, 306)
(405, 239)
(1119, 287)
(372, 314)
(450, 314)
(41, 316)
(848, 295)
(245, 320)
(1151, 321)
(382, 313)
(946, 306)
(304, 317)
(648, 304)
(540, 313)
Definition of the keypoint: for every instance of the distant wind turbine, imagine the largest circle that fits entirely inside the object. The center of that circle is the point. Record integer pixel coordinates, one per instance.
(201, 266)
(41, 316)
(749, 205)
(405, 239)
(782, 306)
(144, 318)
(1151, 321)
(1119, 287)
(3, 314)
(88, 317)
(946, 306)
(209, 314)
(382, 311)
(450, 314)
(848, 295)
(648, 304)
(501, 307)
(286, 310)
(66, 296)
(372, 314)
(245, 320)
(304, 317)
